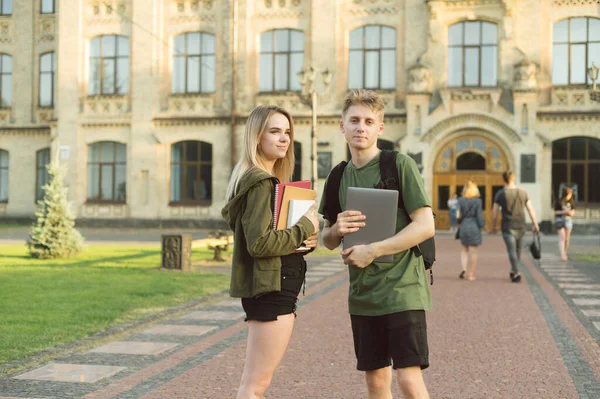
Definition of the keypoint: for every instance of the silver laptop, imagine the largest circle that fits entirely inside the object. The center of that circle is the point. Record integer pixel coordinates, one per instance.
(381, 208)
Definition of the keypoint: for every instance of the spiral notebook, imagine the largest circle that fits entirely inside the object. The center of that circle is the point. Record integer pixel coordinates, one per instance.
(279, 190)
(381, 208)
(292, 193)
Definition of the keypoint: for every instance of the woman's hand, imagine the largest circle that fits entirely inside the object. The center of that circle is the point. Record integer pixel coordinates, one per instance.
(312, 241)
(311, 214)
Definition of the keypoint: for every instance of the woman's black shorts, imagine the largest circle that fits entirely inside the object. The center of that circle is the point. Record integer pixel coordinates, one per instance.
(267, 307)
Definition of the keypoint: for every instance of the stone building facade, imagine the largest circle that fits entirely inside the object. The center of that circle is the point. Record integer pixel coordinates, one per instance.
(145, 101)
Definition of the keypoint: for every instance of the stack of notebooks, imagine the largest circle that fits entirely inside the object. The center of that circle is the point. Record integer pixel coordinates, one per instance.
(292, 201)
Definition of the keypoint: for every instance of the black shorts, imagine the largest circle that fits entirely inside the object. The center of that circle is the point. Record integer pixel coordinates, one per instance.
(267, 307)
(401, 337)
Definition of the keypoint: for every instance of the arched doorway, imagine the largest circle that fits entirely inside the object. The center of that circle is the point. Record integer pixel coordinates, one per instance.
(471, 157)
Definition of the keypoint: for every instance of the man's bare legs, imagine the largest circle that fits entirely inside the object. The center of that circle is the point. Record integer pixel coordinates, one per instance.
(379, 383)
(411, 383)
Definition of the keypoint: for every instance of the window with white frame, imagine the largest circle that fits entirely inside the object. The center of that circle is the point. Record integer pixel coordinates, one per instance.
(47, 76)
(107, 172)
(281, 58)
(194, 63)
(576, 45)
(372, 58)
(109, 65)
(473, 54)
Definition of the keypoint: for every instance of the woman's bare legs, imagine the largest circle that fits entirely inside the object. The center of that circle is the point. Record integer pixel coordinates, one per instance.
(472, 263)
(464, 260)
(561, 243)
(266, 345)
(567, 241)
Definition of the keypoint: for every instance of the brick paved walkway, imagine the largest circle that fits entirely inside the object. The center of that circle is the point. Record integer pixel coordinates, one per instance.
(488, 339)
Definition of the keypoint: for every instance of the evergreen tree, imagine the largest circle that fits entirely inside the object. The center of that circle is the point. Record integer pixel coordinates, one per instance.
(53, 234)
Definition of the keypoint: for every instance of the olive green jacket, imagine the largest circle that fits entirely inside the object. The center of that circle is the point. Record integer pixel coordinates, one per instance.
(257, 247)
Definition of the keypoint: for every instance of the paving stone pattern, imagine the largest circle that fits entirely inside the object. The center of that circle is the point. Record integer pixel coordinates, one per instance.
(488, 338)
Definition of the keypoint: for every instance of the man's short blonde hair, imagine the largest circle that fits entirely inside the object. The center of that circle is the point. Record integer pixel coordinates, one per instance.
(367, 98)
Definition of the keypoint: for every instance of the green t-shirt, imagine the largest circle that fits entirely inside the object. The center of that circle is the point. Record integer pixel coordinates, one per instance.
(384, 288)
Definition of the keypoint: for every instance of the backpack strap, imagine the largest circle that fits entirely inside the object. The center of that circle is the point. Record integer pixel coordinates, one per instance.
(332, 192)
(390, 178)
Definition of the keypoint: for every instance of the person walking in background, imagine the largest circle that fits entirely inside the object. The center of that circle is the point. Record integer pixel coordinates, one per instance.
(513, 201)
(267, 272)
(471, 222)
(452, 209)
(564, 211)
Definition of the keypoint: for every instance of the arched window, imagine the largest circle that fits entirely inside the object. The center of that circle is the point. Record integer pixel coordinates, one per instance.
(297, 161)
(473, 54)
(281, 58)
(194, 63)
(107, 172)
(576, 163)
(372, 58)
(109, 65)
(42, 159)
(47, 72)
(470, 161)
(5, 81)
(191, 173)
(3, 176)
(576, 46)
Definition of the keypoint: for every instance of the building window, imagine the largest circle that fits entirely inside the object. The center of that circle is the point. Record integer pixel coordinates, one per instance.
(576, 164)
(372, 58)
(281, 58)
(297, 162)
(576, 47)
(5, 81)
(48, 7)
(194, 63)
(42, 159)
(191, 173)
(107, 172)
(3, 176)
(109, 66)
(47, 72)
(6, 7)
(473, 54)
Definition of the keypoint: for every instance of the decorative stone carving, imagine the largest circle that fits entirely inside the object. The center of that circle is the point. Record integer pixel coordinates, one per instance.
(191, 105)
(6, 31)
(572, 98)
(467, 121)
(192, 11)
(5, 116)
(108, 106)
(419, 78)
(177, 252)
(45, 115)
(46, 28)
(287, 100)
(559, 3)
(525, 78)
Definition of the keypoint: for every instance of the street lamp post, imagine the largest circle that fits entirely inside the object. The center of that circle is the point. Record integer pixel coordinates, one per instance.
(308, 96)
(593, 74)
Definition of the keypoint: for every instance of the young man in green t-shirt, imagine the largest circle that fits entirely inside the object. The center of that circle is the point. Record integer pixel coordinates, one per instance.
(387, 301)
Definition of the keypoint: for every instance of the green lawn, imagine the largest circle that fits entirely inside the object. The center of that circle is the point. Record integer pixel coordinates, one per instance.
(587, 258)
(52, 302)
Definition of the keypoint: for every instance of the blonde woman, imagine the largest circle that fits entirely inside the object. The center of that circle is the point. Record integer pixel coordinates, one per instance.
(470, 224)
(564, 211)
(267, 271)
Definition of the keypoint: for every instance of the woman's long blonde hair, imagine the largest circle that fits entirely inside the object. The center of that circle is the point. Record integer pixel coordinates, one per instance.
(252, 154)
(471, 190)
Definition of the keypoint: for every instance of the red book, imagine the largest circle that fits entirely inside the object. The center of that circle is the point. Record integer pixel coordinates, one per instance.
(279, 188)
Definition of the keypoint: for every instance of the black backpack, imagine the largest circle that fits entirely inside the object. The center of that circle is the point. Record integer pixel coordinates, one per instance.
(390, 180)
